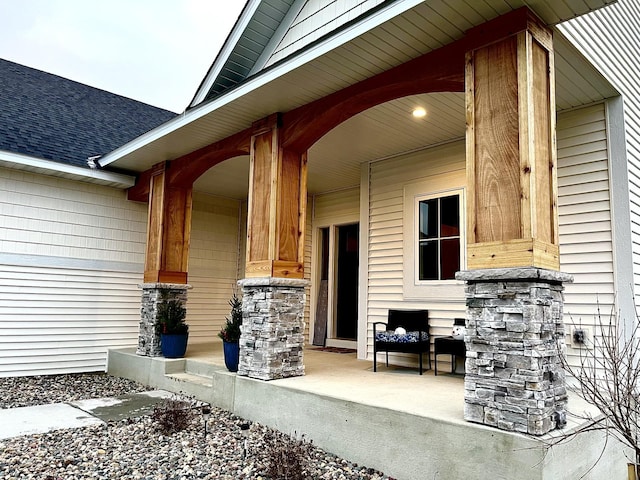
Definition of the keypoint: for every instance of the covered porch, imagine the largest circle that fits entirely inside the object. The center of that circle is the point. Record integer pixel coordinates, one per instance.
(409, 426)
(487, 146)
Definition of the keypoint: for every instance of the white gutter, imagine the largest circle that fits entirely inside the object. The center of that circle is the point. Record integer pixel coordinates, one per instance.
(377, 18)
(25, 162)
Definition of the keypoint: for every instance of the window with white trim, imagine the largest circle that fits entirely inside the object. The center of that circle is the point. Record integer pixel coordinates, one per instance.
(438, 247)
(434, 238)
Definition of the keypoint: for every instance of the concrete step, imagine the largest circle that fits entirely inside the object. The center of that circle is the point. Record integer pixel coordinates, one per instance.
(190, 384)
(204, 369)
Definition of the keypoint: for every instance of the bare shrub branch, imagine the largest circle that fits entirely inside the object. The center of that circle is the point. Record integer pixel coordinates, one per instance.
(606, 377)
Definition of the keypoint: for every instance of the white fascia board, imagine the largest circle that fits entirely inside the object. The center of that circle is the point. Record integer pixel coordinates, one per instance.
(227, 48)
(17, 160)
(269, 75)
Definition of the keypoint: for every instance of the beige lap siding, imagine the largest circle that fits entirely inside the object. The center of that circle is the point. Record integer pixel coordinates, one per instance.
(584, 215)
(71, 259)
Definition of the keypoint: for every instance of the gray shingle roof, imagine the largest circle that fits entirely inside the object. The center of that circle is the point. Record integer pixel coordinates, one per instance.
(47, 116)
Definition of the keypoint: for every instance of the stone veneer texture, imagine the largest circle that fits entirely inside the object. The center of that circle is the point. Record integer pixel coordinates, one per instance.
(148, 339)
(515, 338)
(272, 340)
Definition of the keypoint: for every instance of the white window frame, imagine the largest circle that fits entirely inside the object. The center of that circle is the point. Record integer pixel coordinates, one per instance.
(436, 290)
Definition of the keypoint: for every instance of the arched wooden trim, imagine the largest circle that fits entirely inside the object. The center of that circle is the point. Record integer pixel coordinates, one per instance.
(188, 168)
(185, 170)
(439, 71)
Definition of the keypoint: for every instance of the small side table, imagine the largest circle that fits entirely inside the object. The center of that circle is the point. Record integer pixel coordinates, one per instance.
(448, 346)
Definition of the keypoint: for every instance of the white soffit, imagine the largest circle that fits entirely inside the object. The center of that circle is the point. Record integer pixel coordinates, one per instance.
(391, 36)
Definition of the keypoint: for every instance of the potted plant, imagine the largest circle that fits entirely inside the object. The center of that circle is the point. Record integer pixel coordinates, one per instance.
(230, 334)
(171, 327)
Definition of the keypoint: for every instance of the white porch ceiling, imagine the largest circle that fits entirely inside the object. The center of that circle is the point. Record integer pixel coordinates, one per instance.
(388, 129)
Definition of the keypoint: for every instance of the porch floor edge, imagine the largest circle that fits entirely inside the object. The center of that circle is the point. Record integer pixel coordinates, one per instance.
(396, 421)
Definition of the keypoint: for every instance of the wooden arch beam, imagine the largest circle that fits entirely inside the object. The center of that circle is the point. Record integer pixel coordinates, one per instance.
(185, 170)
(441, 70)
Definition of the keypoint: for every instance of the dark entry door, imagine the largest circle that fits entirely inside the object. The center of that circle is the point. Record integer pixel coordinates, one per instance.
(346, 288)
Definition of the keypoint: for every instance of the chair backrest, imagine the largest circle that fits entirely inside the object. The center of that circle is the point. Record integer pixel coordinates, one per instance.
(410, 320)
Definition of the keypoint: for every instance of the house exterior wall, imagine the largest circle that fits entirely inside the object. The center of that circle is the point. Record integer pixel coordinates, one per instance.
(71, 257)
(585, 218)
(71, 260)
(214, 256)
(609, 39)
(586, 248)
(334, 208)
(386, 255)
(315, 19)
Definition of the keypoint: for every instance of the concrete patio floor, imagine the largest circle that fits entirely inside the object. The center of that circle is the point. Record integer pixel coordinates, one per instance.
(408, 425)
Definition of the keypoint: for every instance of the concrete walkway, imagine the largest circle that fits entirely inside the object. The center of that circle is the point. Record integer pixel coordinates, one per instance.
(46, 418)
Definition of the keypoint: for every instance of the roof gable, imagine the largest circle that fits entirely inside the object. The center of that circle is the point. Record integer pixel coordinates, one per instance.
(271, 30)
(252, 33)
(50, 117)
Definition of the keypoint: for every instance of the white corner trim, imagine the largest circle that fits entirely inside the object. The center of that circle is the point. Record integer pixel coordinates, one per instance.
(20, 161)
(620, 212)
(363, 258)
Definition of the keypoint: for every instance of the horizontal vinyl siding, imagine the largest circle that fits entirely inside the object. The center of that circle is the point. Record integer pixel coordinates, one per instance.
(609, 39)
(213, 264)
(336, 208)
(385, 269)
(70, 261)
(584, 217)
(56, 320)
(586, 242)
(42, 215)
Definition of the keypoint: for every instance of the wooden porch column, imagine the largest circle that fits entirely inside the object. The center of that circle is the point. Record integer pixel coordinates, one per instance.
(273, 292)
(277, 205)
(168, 230)
(511, 150)
(514, 378)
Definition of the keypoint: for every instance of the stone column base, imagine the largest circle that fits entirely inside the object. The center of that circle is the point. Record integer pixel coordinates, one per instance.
(272, 340)
(148, 339)
(515, 338)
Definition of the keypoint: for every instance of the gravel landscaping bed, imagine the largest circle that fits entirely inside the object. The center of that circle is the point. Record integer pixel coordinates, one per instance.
(39, 390)
(136, 449)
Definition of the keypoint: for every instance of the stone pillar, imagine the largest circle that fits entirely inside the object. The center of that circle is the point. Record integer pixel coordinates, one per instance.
(514, 377)
(148, 340)
(272, 340)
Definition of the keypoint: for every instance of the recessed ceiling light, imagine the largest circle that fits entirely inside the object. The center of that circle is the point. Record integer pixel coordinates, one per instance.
(419, 112)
